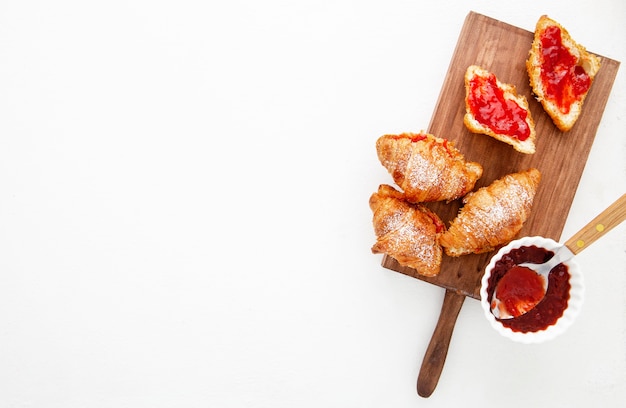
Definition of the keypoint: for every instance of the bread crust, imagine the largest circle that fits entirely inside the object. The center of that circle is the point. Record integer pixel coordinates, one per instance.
(526, 146)
(407, 232)
(589, 62)
(427, 168)
(493, 215)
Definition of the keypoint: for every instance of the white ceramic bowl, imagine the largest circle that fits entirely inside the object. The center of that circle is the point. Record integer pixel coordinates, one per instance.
(573, 307)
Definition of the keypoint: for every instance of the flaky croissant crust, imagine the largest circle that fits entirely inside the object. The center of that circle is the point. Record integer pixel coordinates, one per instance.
(407, 232)
(427, 168)
(492, 215)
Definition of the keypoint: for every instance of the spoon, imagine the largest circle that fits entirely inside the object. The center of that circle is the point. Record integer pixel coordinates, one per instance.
(525, 285)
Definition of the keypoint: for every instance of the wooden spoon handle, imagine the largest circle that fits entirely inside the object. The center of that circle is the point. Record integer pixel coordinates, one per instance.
(604, 222)
(437, 350)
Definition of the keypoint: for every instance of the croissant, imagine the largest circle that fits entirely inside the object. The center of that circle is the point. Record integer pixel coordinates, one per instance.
(561, 72)
(427, 168)
(406, 232)
(495, 109)
(492, 215)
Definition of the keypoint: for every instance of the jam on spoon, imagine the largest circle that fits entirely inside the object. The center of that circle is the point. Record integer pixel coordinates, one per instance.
(518, 291)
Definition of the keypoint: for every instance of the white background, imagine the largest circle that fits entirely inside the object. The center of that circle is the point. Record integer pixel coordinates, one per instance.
(184, 217)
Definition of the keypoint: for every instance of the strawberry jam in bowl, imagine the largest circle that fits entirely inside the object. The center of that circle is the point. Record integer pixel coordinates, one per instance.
(555, 312)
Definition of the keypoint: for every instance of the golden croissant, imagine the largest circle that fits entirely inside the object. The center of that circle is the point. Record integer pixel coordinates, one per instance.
(406, 232)
(492, 215)
(427, 168)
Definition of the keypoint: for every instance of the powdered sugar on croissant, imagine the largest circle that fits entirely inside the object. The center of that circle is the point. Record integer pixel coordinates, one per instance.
(493, 215)
(427, 168)
(406, 232)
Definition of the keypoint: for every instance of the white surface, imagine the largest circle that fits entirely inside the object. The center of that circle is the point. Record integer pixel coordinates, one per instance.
(184, 218)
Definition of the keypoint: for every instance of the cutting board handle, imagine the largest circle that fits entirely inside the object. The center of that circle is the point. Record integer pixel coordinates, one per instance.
(437, 350)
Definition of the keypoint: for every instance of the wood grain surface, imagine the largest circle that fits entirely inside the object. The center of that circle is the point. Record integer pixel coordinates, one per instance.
(561, 157)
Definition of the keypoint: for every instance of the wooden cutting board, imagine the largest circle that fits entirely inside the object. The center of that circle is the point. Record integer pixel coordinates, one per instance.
(561, 157)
